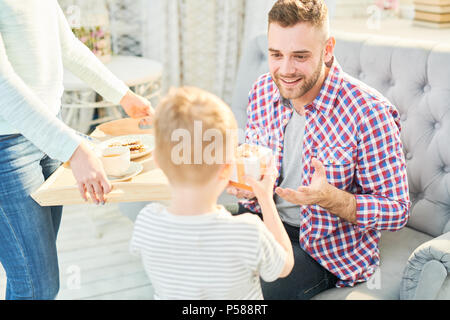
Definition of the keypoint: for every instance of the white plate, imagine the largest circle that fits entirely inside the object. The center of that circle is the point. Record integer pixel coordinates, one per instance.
(134, 169)
(147, 140)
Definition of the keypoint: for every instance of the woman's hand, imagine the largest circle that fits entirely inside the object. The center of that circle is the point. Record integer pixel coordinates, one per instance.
(136, 106)
(89, 174)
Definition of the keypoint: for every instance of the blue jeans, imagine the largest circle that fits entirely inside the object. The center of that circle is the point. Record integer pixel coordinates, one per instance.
(307, 279)
(27, 230)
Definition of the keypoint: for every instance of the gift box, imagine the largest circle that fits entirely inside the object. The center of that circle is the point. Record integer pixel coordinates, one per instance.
(251, 160)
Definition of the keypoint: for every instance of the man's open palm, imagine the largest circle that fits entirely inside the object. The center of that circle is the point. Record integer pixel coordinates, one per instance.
(315, 193)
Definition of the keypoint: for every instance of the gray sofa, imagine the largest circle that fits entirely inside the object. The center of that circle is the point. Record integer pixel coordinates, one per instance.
(415, 77)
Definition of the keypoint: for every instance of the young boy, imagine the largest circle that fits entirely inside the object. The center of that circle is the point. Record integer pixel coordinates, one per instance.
(195, 249)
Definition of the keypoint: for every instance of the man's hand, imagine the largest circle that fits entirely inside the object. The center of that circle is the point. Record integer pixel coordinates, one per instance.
(89, 174)
(317, 192)
(320, 192)
(136, 106)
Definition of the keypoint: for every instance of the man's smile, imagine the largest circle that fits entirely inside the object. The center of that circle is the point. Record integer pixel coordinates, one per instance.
(290, 82)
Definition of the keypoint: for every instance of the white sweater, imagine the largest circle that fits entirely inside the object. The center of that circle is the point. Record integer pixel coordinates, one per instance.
(35, 43)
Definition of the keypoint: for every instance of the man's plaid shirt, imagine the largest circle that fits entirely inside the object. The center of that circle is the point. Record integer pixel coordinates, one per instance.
(355, 132)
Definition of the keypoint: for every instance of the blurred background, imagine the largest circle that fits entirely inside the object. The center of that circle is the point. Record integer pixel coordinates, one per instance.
(200, 42)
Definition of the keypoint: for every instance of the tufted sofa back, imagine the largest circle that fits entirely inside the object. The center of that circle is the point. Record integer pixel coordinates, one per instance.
(415, 77)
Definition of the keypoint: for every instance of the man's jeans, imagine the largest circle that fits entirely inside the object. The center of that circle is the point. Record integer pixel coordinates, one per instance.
(27, 231)
(307, 279)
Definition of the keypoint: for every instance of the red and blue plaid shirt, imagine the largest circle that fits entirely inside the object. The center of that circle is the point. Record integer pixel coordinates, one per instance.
(355, 132)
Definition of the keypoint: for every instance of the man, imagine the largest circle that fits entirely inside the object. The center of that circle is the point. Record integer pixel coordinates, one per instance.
(342, 176)
(35, 42)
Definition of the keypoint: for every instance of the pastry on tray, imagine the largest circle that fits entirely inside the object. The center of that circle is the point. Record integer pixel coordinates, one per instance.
(136, 146)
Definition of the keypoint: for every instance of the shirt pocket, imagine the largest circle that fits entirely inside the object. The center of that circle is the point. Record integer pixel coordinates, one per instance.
(339, 165)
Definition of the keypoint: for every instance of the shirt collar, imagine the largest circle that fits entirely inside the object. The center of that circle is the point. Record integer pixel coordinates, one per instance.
(325, 99)
(276, 92)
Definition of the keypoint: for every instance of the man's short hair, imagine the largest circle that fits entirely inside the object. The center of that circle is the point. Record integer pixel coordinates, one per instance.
(288, 13)
(181, 112)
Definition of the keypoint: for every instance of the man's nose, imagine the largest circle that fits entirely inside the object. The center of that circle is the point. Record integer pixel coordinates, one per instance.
(287, 67)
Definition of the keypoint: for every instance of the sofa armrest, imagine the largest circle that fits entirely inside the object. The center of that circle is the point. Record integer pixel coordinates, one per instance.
(426, 269)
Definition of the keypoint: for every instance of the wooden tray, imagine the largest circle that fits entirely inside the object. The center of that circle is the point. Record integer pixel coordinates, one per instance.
(119, 128)
(150, 185)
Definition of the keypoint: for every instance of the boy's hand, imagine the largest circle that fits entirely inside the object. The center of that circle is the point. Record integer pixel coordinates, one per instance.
(136, 106)
(240, 193)
(264, 189)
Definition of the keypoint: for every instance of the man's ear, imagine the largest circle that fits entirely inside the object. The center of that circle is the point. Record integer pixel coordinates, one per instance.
(329, 51)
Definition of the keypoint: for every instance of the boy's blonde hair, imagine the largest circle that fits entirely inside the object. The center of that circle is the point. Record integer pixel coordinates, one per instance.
(177, 118)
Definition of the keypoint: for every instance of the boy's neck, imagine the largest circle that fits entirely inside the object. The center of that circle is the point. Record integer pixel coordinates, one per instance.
(190, 201)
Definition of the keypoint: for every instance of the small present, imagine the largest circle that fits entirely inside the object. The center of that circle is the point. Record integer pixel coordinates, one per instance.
(251, 160)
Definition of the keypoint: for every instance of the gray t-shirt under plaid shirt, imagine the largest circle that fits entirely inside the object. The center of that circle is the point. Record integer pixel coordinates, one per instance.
(291, 166)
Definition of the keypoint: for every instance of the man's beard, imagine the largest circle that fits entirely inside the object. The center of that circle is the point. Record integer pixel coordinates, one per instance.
(305, 85)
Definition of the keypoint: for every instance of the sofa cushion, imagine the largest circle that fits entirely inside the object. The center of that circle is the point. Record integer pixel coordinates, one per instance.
(395, 249)
(427, 269)
(444, 294)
